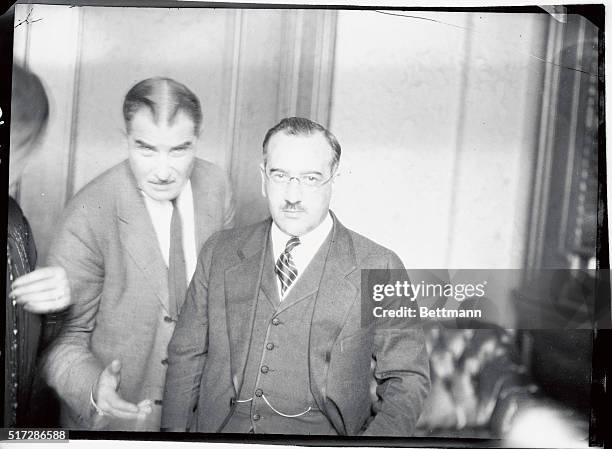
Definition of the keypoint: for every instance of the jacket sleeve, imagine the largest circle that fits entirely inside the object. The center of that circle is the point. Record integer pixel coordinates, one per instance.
(187, 349)
(401, 373)
(68, 365)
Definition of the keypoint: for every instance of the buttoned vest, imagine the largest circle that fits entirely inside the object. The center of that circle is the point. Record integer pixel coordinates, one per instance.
(275, 396)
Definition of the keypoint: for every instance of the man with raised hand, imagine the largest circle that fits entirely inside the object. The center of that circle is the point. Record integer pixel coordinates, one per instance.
(129, 242)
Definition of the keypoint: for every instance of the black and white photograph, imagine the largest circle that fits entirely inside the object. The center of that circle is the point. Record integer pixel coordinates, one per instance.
(205, 199)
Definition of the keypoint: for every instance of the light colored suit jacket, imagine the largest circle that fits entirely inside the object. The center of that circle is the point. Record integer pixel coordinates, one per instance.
(119, 281)
(209, 349)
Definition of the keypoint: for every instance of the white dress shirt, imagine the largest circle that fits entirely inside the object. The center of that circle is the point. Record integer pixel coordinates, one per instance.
(161, 216)
(303, 253)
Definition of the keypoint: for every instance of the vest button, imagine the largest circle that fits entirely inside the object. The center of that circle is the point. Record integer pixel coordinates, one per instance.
(270, 346)
(259, 392)
(167, 319)
(164, 362)
(256, 417)
(265, 369)
(275, 321)
(158, 402)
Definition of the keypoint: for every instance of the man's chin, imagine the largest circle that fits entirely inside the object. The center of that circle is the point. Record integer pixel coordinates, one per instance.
(291, 227)
(161, 195)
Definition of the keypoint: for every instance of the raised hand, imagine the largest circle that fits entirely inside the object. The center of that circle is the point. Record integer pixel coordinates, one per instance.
(44, 290)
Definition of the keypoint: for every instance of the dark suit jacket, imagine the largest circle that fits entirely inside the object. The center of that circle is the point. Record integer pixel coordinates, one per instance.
(209, 347)
(119, 281)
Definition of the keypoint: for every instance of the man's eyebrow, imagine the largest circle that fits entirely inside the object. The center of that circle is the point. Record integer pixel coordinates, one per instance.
(182, 145)
(142, 143)
(313, 172)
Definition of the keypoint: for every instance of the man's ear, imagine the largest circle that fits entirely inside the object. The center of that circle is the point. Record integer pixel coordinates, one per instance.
(262, 173)
(125, 135)
(336, 173)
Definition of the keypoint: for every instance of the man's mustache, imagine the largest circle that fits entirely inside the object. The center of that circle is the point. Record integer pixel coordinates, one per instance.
(162, 182)
(293, 208)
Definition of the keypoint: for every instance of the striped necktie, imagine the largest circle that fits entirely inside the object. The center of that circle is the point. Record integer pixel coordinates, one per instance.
(285, 268)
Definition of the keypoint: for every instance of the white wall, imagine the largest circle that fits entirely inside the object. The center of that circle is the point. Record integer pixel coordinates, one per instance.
(437, 119)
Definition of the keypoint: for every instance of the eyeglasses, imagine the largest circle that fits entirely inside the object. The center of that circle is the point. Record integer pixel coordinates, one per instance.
(309, 181)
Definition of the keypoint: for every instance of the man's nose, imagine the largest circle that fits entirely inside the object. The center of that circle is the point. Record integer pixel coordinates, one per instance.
(163, 171)
(293, 192)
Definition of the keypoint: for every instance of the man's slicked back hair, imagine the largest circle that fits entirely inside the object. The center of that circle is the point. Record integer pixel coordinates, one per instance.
(164, 98)
(299, 126)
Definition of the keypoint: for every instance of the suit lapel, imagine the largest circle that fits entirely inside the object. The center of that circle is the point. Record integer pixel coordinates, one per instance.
(336, 295)
(269, 286)
(139, 239)
(242, 285)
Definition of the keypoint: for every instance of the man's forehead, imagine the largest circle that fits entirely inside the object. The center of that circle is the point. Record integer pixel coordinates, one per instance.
(299, 149)
(144, 125)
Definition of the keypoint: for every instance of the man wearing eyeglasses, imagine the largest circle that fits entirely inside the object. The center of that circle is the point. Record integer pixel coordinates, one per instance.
(269, 339)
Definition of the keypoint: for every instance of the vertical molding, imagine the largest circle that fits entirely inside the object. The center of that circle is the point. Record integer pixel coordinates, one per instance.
(465, 79)
(286, 102)
(325, 51)
(232, 122)
(543, 166)
(307, 63)
(287, 17)
(317, 69)
(294, 86)
(74, 114)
